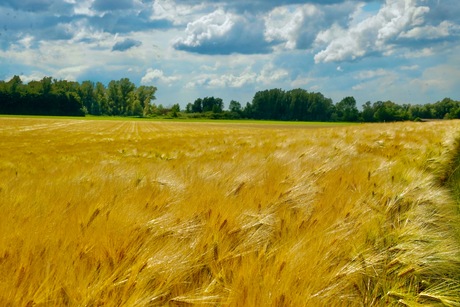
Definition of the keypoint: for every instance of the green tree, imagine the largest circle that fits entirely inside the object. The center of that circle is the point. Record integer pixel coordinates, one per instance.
(319, 107)
(446, 108)
(235, 110)
(189, 108)
(145, 95)
(346, 110)
(264, 104)
(126, 100)
(101, 102)
(197, 106)
(87, 94)
(248, 111)
(175, 109)
(119, 96)
(161, 110)
(234, 106)
(368, 112)
(14, 85)
(298, 104)
(211, 104)
(137, 109)
(114, 98)
(387, 111)
(46, 83)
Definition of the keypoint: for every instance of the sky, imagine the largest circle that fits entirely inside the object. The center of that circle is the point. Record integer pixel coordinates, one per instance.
(406, 51)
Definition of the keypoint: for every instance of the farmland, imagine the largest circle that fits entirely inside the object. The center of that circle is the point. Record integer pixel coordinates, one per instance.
(154, 213)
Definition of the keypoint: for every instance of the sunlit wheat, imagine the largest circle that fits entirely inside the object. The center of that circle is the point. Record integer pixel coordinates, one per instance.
(166, 213)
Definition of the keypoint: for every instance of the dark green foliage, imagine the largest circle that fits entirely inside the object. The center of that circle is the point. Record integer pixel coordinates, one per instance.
(197, 106)
(346, 110)
(235, 106)
(207, 104)
(297, 104)
(175, 109)
(44, 97)
(87, 94)
(122, 98)
(62, 97)
(381, 111)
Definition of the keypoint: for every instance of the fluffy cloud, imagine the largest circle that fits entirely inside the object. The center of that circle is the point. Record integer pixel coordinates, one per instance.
(375, 34)
(213, 26)
(223, 80)
(291, 24)
(231, 80)
(444, 29)
(153, 75)
(221, 32)
(271, 74)
(268, 76)
(84, 7)
(177, 13)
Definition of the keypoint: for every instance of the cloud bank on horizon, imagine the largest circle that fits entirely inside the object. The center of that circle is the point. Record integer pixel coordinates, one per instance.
(407, 51)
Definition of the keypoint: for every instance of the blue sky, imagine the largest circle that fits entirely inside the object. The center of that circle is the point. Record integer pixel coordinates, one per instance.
(407, 51)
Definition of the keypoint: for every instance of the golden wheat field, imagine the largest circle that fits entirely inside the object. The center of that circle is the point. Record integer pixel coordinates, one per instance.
(145, 213)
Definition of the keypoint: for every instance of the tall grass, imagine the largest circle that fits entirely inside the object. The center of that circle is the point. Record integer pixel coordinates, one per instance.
(154, 213)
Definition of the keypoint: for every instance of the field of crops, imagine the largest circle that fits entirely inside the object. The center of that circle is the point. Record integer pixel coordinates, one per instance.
(143, 213)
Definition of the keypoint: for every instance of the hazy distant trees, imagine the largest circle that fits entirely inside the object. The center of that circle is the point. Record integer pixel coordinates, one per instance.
(175, 109)
(298, 104)
(207, 104)
(234, 106)
(122, 98)
(273, 104)
(384, 111)
(301, 105)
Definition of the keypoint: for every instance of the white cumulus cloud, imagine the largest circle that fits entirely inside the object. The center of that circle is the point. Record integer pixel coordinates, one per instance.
(268, 75)
(375, 33)
(211, 26)
(444, 29)
(271, 74)
(176, 12)
(222, 32)
(289, 23)
(153, 75)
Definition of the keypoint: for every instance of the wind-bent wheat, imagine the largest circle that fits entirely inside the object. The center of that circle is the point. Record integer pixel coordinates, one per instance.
(167, 213)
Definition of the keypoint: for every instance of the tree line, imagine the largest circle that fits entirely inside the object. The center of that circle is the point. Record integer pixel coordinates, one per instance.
(122, 98)
(61, 97)
(39, 98)
(301, 105)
